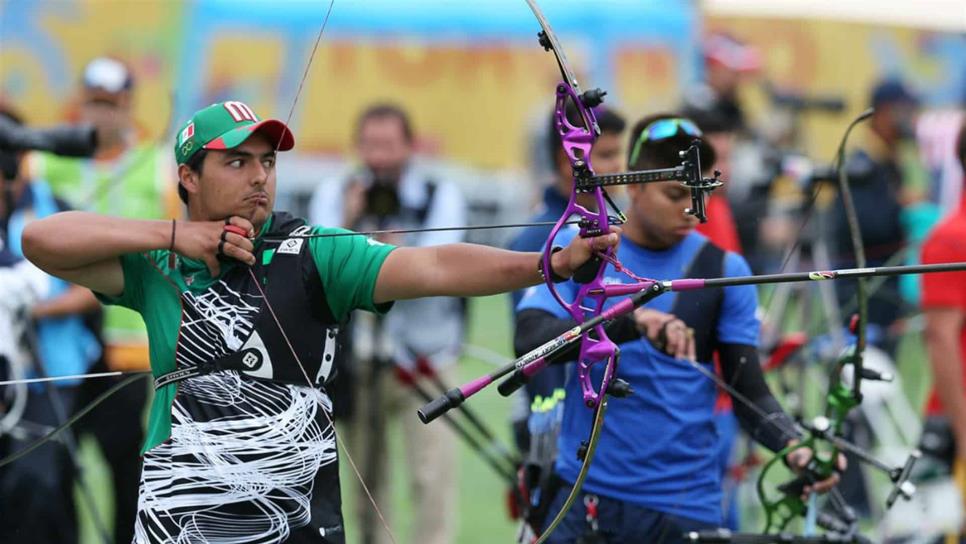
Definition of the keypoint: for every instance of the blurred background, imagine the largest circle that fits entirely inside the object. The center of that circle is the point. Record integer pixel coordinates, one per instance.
(478, 89)
(471, 76)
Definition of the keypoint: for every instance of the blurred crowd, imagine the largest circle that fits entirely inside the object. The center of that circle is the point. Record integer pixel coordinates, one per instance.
(778, 208)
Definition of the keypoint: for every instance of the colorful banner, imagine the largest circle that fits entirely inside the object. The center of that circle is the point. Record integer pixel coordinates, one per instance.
(472, 75)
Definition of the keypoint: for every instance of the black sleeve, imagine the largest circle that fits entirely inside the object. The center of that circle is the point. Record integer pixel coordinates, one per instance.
(534, 327)
(770, 426)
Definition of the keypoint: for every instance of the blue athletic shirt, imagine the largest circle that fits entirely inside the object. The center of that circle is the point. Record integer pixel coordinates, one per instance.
(658, 446)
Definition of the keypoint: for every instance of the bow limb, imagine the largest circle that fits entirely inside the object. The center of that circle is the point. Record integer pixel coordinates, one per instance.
(588, 453)
(578, 142)
(839, 399)
(858, 248)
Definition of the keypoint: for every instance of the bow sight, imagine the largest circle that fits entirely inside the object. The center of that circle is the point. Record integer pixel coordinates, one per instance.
(688, 173)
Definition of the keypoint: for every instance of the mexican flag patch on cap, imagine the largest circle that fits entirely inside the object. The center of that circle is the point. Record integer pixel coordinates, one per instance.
(226, 125)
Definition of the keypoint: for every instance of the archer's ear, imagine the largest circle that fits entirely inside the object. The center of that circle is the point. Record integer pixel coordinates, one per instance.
(188, 178)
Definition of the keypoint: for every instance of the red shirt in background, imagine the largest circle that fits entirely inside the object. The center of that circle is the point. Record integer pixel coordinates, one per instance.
(720, 228)
(947, 243)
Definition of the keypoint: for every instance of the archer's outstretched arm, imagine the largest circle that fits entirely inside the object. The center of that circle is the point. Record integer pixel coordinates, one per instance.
(474, 270)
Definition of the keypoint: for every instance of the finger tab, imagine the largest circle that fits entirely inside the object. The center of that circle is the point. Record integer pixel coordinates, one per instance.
(237, 230)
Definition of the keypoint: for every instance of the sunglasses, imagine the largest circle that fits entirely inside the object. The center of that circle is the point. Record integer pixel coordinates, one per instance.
(664, 129)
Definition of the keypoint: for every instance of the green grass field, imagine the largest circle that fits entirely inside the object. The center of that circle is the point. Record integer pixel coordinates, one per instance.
(482, 510)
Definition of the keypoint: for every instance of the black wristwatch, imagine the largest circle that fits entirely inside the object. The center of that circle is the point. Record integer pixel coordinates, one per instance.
(556, 278)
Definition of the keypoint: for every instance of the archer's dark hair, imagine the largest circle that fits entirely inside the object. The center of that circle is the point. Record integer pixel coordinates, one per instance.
(386, 111)
(709, 121)
(663, 154)
(609, 121)
(197, 164)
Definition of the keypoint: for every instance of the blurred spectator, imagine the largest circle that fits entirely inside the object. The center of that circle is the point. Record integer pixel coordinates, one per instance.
(889, 187)
(129, 176)
(546, 389)
(727, 61)
(944, 306)
(419, 339)
(38, 490)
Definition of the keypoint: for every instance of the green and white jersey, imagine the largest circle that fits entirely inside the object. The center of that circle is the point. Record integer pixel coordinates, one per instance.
(227, 454)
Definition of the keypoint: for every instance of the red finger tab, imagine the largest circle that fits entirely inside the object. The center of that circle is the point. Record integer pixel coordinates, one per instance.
(237, 230)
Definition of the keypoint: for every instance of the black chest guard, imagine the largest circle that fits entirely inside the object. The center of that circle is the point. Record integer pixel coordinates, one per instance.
(701, 308)
(249, 340)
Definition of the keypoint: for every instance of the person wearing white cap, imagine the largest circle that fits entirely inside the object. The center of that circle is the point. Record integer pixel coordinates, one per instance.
(727, 61)
(130, 176)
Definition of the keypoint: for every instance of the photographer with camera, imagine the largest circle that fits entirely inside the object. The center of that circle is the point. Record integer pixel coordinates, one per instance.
(128, 176)
(48, 338)
(891, 190)
(392, 190)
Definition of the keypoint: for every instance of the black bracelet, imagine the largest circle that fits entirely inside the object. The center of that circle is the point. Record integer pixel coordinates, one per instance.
(171, 254)
(556, 278)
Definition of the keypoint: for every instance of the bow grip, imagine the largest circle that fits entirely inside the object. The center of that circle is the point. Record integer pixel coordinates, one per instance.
(586, 272)
(451, 399)
(510, 385)
(795, 486)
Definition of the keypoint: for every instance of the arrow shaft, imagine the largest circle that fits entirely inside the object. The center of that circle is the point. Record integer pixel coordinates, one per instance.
(816, 275)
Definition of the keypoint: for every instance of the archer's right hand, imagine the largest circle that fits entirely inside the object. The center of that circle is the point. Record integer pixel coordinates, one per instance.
(666, 332)
(208, 240)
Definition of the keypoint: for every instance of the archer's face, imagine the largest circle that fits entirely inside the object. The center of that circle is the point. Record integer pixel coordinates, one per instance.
(110, 116)
(607, 155)
(238, 181)
(657, 213)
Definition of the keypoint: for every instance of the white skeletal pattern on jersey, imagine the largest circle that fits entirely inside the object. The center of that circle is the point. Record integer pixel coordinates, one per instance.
(260, 450)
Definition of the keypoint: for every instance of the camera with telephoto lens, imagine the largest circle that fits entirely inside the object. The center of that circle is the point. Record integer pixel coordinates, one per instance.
(64, 140)
(382, 200)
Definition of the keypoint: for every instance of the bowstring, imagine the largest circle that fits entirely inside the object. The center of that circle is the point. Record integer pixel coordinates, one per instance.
(417, 230)
(339, 443)
(308, 380)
